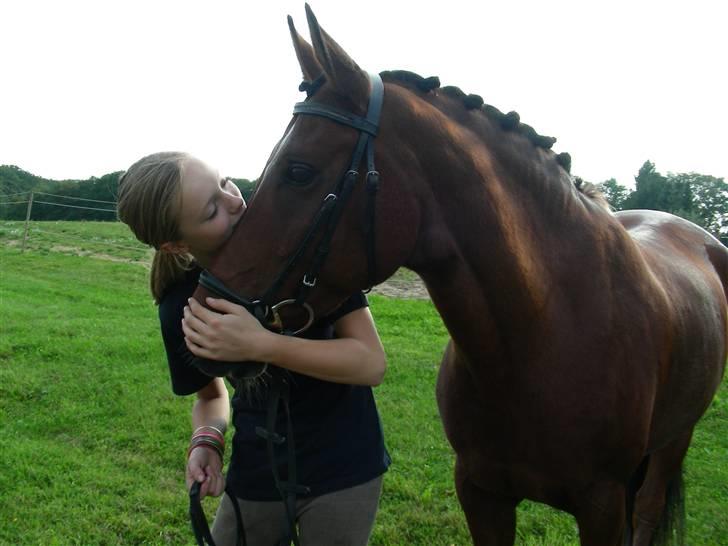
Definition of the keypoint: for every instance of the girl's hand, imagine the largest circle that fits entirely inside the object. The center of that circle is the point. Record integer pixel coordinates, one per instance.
(205, 466)
(232, 335)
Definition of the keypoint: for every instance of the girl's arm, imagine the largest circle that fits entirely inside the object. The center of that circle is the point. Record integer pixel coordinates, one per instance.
(356, 357)
(212, 408)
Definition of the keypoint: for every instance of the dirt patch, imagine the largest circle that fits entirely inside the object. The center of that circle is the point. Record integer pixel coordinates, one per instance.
(411, 288)
(100, 256)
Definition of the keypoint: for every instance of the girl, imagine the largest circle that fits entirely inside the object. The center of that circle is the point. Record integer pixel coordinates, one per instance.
(186, 211)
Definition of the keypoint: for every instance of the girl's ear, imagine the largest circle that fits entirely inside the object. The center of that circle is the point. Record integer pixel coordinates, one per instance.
(174, 247)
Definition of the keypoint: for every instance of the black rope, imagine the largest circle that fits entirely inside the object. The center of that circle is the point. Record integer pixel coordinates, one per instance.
(288, 490)
(199, 522)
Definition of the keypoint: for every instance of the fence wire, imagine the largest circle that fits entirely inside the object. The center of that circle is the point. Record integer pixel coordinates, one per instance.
(31, 229)
(72, 206)
(3, 195)
(76, 198)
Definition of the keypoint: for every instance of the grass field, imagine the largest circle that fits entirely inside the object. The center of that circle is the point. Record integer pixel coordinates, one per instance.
(93, 440)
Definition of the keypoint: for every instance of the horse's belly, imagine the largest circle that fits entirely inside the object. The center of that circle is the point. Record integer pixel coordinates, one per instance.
(536, 450)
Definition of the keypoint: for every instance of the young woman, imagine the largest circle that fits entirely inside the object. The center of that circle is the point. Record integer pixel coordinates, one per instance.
(186, 211)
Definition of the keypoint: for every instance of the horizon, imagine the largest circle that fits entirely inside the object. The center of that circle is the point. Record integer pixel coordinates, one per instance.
(629, 187)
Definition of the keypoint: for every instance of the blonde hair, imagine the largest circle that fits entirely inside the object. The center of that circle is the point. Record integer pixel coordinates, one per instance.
(149, 202)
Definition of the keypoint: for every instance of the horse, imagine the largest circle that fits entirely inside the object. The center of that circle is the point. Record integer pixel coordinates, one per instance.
(584, 344)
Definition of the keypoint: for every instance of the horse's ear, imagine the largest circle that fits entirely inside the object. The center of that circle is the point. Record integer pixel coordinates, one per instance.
(306, 58)
(340, 69)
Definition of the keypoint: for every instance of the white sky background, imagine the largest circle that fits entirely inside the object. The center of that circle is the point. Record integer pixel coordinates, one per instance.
(88, 87)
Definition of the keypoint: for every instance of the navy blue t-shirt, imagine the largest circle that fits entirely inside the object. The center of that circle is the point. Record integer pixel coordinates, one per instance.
(337, 430)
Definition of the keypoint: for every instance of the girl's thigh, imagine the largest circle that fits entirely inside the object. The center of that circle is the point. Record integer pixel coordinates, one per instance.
(264, 522)
(341, 518)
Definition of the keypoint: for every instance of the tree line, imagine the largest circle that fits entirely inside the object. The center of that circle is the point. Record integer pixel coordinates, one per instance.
(90, 199)
(700, 198)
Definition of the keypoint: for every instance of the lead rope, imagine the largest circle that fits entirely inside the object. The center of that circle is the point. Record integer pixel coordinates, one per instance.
(288, 490)
(199, 522)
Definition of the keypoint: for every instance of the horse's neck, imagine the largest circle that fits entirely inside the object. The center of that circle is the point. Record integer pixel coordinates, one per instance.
(498, 248)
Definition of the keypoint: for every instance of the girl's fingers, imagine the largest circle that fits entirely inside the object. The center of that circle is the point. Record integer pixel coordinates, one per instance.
(193, 322)
(214, 484)
(224, 305)
(201, 313)
(217, 482)
(199, 351)
(191, 334)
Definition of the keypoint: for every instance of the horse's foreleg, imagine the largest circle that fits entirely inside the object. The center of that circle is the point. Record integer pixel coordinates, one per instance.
(663, 477)
(600, 515)
(491, 518)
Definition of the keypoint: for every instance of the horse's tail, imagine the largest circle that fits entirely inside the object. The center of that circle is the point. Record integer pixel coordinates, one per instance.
(671, 529)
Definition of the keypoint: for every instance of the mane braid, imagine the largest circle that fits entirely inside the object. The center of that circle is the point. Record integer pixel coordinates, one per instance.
(508, 122)
(410, 78)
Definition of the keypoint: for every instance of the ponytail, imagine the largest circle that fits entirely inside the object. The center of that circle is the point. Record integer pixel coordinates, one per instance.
(167, 269)
(149, 202)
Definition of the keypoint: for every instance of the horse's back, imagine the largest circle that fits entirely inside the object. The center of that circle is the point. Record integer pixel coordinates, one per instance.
(690, 267)
(687, 250)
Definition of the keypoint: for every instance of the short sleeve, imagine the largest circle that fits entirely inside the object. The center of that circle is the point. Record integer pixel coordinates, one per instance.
(186, 378)
(356, 301)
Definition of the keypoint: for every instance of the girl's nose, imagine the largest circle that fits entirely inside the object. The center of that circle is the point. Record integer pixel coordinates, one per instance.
(235, 202)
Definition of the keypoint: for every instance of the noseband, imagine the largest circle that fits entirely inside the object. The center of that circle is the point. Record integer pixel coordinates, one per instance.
(326, 219)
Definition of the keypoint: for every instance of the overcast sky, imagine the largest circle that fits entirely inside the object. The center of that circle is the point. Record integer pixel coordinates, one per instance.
(89, 87)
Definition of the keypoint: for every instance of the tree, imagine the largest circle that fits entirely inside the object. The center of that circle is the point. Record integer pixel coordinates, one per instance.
(68, 198)
(615, 193)
(710, 201)
(699, 198)
(650, 190)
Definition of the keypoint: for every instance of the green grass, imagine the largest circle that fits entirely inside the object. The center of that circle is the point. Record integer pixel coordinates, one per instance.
(113, 240)
(93, 440)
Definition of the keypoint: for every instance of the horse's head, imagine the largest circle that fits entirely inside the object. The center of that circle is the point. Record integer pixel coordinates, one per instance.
(328, 217)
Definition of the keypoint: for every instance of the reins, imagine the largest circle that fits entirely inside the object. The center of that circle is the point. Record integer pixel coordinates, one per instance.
(288, 489)
(199, 522)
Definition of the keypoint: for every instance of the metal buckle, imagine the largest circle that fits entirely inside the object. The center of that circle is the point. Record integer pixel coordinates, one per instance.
(372, 181)
(277, 322)
(308, 283)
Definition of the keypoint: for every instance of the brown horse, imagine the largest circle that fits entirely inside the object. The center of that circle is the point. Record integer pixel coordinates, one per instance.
(585, 345)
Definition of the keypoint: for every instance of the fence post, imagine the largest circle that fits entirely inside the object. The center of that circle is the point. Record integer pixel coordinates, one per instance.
(27, 220)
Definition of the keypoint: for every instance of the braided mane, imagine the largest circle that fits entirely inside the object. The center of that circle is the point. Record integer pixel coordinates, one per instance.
(508, 122)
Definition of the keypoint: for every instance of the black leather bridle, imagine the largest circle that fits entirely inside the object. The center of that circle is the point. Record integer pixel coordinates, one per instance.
(326, 219)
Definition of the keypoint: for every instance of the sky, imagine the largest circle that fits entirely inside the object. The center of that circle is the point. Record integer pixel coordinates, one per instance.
(89, 87)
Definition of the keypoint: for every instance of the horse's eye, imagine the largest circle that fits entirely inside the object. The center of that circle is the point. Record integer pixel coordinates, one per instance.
(299, 173)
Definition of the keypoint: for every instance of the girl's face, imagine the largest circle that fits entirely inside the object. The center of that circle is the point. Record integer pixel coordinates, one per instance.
(211, 207)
